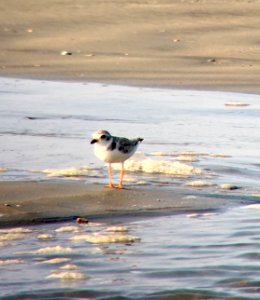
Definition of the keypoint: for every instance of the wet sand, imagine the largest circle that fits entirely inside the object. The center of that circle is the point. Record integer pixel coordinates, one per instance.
(211, 45)
(38, 202)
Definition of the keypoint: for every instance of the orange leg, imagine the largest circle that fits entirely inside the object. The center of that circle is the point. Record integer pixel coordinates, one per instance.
(110, 184)
(120, 185)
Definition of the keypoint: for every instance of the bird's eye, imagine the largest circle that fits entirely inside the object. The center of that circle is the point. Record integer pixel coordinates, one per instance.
(103, 137)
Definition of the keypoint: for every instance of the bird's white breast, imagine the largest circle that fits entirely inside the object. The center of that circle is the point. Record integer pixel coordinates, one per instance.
(112, 156)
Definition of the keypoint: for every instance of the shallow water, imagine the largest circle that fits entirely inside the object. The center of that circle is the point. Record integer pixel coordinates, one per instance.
(185, 256)
(196, 140)
(46, 128)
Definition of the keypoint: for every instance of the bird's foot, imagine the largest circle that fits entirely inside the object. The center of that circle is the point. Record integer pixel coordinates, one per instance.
(111, 186)
(120, 187)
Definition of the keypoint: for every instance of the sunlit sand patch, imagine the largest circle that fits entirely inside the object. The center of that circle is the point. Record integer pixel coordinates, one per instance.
(236, 104)
(57, 260)
(68, 229)
(5, 262)
(106, 238)
(160, 167)
(69, 267)
(3, 170)
(67, 276)
(72, 172)
(199, 183)
(45, 236)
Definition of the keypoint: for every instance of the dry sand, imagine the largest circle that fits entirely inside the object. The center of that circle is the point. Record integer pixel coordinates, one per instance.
(197, 44)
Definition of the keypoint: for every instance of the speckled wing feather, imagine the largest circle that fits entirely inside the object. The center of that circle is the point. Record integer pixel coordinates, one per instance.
(126, 145)
(123, 144)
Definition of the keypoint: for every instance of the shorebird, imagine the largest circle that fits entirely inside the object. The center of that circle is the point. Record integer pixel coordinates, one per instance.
(112, 149)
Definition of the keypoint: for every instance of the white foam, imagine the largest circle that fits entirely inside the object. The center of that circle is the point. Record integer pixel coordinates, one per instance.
(189, 158)
(68, 267)
(117, 229)
(149, 165)
(200, 215)
(236, 104)
(199, 183)
(253, 206)
(170, 154)
(5, 262)
(67, 276)
(67, 229)
(45, 236)
(12, 236)
(103, 238)
(256, 195)
(72, 172)
(16, 230)
(57, 260)
(219, 155)
(228, 186)
(53, 250)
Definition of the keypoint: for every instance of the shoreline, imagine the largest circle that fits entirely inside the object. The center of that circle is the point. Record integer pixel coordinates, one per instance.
(28, 203)
(137, 84)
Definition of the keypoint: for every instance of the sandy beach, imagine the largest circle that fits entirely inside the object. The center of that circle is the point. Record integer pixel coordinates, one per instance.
(212, 45)
(207, 45)
(186, 226)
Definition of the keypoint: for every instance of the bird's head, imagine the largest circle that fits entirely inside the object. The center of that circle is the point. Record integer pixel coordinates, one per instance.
(101, 137)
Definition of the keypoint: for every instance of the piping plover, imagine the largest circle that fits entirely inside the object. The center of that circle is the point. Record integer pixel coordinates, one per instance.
(112, 149)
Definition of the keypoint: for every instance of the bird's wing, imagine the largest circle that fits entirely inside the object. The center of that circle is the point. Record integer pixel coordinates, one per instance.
(126, 145)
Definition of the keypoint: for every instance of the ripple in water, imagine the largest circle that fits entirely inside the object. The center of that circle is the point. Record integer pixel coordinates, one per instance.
(192, 256)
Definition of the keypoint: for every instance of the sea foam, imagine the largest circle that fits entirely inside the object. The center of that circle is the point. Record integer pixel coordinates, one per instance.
(5, 262)
(72, 172)
(166, 167)
(67, 229)
(67, 276)
(53, 250)
(105, 238)
(57, 260)
(199, 183)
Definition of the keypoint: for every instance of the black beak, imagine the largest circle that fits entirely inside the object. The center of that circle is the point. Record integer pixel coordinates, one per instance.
(93, 141)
